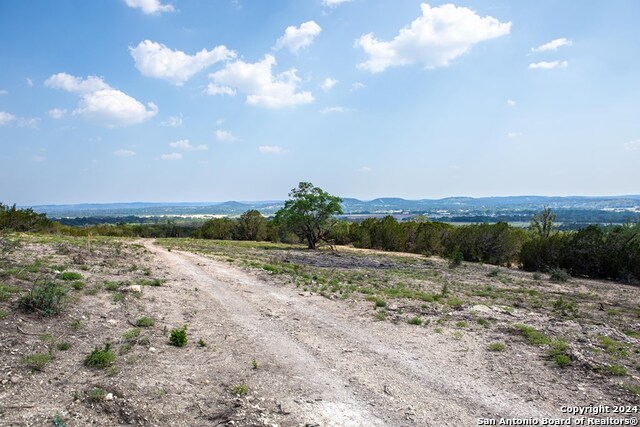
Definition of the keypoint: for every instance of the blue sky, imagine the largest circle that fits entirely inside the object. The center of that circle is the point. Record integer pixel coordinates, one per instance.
(201, 100)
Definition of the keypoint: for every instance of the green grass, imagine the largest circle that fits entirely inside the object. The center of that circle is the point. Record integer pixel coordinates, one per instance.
(131, 334)
(532, 335)
(97, 394)
(111, 285)
(558, 353)
(497, 346)
(37, 361)
(145, 322)
(615, 370)
(417, 320)
(614, 348)
(77, 285)
(201, 343)
(58, 420)
(100, 357)
(6, 291)
(178, 336)
(150, 282)
(63, 346)
(69, 275)
(45, 298)
(4, 314)
(461, 324)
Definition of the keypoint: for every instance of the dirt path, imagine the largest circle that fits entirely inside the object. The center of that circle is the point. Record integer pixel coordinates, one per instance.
(327, 366)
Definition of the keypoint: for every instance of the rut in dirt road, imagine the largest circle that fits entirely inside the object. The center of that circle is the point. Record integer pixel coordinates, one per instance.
(363, 373)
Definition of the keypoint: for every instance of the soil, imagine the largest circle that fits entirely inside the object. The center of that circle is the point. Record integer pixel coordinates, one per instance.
(301, 358)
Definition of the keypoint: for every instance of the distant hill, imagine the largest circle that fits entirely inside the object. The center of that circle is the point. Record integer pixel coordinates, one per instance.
(434, 208)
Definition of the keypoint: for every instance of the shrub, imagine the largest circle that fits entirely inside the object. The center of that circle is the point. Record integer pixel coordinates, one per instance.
(63, 346)
(100, 358)
(45, 298)
(201, 343)
(455, 259)
(97, 394)
(240, 389)
(497, 346)
(69, 275)
(178, 337)
(559, 275)
(533, 336)
(77, 285)
(417, 320)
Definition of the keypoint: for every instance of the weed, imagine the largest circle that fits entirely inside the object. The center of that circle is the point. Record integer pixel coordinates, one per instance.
(112, 371)
(438, 330)
(537, 276)
(100, 358)
(201, 343)
(532, 335)
(558, 353)
(58, 421)
(559, 275)
(146, 271)
(564, 308)
(131, 335)
(455, 259)
(254, 364)
(377, 302)
(633, 389)
(494, 272)
(612, 347)
(84, 267)
(615, 370)
(458, 335)
(125, 348)
(462, 324)
(45, 298)
(110, 285)
(63, 346)
(76, 324)
(150, 282)
(497, 346)
(3, 314)
(417, 320)
(69, 275)
(145, 322)
(483, 322)
(37, 361)
(46, 337)
(92, 290)
(78, 285)
(7, 290)
(381, 315)
(240, 389)
(454, 302)
(118, 296)
(178, 337)
(97, 394)
(613, 312)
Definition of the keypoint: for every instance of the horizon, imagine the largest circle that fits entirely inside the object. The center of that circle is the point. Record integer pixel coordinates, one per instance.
(240, 100)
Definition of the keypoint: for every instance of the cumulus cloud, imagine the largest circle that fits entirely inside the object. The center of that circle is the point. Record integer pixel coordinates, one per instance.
(296, 38)
(124, 153)
(214, 89)
(434, 39)
(171, 156)
(6, 118)
(271, 149)
(225, 136)
(335, 109)
(328, 83)
(357, 86)
(150, 7)
(184, 144)
(333, 3)
(632, 145)
(157, 60)
(552, 45)
(261, 86)
(172, 121)
(57, 113)
(548, 65)
(101, 103)
(511, 103)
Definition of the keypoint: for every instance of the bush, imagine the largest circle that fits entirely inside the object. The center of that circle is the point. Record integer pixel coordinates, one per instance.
(100, 358)
(145, 322)
(497, 346)
(45, 298)
(178, 337)
(37, 361)
(559, 275)
(69, 275)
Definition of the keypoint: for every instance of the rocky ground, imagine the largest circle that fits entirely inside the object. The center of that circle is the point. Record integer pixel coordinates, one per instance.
(282, 336)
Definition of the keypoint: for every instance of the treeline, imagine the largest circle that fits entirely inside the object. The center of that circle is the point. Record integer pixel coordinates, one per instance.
(609, 252)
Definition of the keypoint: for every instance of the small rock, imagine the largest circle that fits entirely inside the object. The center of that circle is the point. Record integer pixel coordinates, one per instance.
(112, 321)
(15, 379)
(152, 349)
(137, 289)
(109, 396)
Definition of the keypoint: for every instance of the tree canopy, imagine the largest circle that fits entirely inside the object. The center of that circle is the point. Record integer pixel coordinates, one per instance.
(309, 213)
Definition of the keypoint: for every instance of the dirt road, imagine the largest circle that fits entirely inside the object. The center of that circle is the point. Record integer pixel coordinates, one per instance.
(325, 365)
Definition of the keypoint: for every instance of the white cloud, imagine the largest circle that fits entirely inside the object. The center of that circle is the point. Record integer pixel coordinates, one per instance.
(6, 118)
(29, 82)
(171, 156)
(100, 102)
(357, 86)
(296, 38)
(514, 134)
(328, 83)
(260, 85)
(335, 109)
(511, 103)
(150, 7)
(434, 39)
(552, 45)
(632, 145)
(545, 65)
(38, 159)
(365, 169)
(219, 122)
(214, 89)
(124, 153)
(57, 113)
(271, 149)
(333, 3)
(172, 121)
(28, 122)
(184, 144)
(157, 60)
(3, 92)
(225, 136)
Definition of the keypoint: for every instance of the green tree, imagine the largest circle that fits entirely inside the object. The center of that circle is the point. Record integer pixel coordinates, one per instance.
(309, 213)
(252, 226)
(542, 225)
